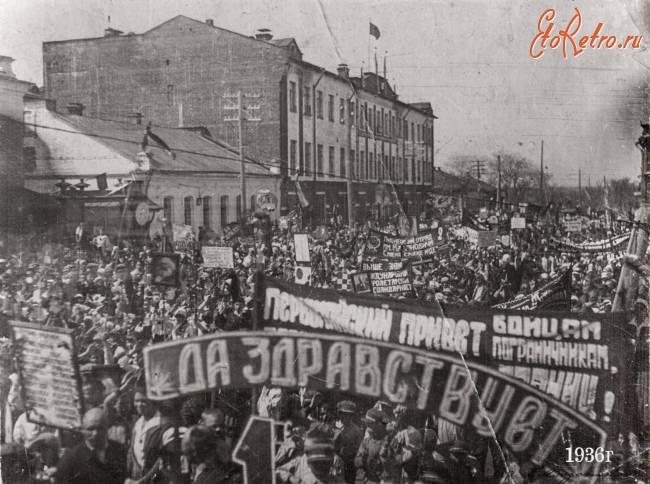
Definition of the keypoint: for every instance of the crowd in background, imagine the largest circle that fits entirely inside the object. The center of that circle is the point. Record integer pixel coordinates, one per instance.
(104, 292)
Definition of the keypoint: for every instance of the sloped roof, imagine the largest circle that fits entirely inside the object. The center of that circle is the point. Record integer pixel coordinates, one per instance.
(193, 152)
(448, 183)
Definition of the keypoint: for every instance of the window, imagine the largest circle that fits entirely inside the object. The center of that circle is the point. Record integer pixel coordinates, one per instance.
(343, 161)
(207, 212)
(292, 156)
(330, 108)
(419, 134)
(374, 117)
(307, 101)
(170, 94)
(292, 97)
(392, 168)
(319, 155)
(380, 128)
(29, 119)
(253, 206)
(362, 164)
(371, 127)
(29, 158)
(342, 110)
(307, 158)
(168, 209)
(412, 131)
(223, 207)
(351, 112)
(319, 104)
(238, 212)
(187, 210)
(399, 128)
(405, 168)
(371, 165)
(331, 160)
(406, 130)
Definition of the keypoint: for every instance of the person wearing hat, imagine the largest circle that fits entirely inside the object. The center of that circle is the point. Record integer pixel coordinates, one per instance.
(347, 438)
(96, 459)
(319, 463)
(368, 464)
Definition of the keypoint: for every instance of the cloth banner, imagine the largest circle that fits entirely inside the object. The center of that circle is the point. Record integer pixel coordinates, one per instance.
(613, 244)
(422, 248)
(527, 421)
(50, 381)
(575, 358)
(555, 294)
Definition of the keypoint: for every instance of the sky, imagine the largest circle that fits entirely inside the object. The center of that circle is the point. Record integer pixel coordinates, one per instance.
(469, 58)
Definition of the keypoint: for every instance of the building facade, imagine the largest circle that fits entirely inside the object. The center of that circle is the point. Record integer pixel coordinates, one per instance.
(196, 184)
(327, 127)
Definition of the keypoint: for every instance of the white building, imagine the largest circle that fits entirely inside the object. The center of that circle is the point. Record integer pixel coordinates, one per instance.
(198, 184)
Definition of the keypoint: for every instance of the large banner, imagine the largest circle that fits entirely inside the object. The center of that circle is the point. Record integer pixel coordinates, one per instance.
(555, 294)
(49, 375)
(529, 422)
(613, 244)
(578, 359)
(420, 248)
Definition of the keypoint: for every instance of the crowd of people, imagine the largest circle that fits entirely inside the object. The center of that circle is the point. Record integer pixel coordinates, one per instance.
(106, 295)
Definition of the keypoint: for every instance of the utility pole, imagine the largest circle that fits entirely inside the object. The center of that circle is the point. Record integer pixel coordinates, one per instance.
(242, 172)
(498, 182)
(234, 106)
(579, 187)
(313, 134)
(541, 175)
(350, 161)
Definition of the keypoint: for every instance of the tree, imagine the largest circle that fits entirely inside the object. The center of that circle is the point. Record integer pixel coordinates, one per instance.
(518, 177)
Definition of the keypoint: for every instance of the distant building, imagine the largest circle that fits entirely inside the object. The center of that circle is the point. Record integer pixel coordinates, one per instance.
(80, 158)
(311, 121)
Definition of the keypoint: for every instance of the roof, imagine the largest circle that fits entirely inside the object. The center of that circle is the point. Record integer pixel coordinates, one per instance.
(193, 152)
(285, 43)
(447, 183)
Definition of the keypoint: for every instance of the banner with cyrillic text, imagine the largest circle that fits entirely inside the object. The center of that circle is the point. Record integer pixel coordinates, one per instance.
(576, 358)
(526, 420)
(421, 248)
(49, 375)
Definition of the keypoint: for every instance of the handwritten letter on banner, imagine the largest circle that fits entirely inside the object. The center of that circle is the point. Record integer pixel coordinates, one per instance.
(49, 375)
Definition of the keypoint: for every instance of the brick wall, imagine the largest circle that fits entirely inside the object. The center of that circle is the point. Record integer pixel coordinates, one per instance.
(180, 66)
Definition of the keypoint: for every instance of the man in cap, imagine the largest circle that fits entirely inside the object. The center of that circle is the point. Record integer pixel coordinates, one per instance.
(347, 437)
(367, 461)
(318, 465)
(96, 460)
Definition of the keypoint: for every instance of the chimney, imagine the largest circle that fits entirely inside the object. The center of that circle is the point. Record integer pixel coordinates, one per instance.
(5, 67)
(210, 22)
(343, 70)
(264, 34)
(109, 32)
(134, 118)
(75, 108)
